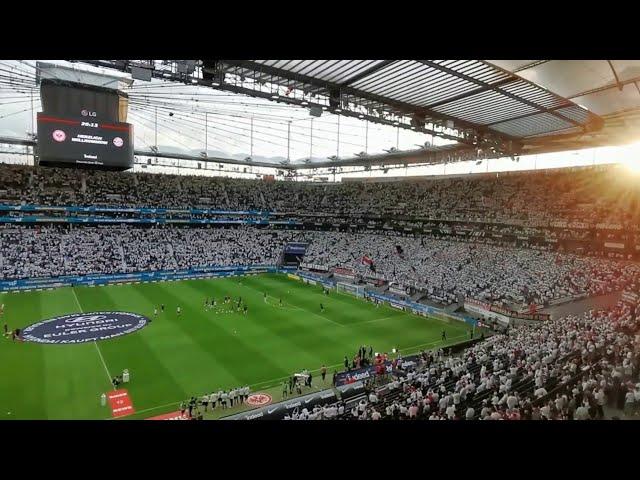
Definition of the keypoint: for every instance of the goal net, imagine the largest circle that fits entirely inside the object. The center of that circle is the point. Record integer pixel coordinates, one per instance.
(349, 288)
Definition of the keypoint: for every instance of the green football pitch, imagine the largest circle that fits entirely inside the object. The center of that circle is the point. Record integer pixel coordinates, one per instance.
(175, 357)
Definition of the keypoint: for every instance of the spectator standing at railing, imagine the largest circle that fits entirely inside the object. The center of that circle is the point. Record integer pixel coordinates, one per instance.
(600, 400)
(470, 413)
(629, 402)
(582, 413)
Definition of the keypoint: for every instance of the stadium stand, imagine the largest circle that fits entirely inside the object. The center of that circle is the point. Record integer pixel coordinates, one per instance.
(31, 252)
(588, 195)
(484, 267)
(443, 270)
(568, 369)
(446, 269)
(573, 367)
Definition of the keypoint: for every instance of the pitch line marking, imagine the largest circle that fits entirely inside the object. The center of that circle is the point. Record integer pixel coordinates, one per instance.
(291, 306)
(104, 364)
(285, 305)
(380, 319)
(282, 378)
(318, 315)
(295, 307)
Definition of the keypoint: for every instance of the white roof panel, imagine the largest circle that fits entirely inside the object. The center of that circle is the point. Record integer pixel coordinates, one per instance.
(569, 77)
(611, 101)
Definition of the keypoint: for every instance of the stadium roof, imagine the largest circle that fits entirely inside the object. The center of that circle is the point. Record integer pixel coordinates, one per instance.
(481, 108)
(601, 86)
(498, 107)
(478, 99)
(607, 88)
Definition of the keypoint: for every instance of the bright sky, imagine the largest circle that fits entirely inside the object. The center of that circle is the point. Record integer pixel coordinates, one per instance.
(629, 155)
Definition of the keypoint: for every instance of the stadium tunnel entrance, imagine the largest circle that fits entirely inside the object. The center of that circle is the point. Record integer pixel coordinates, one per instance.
(293, 254)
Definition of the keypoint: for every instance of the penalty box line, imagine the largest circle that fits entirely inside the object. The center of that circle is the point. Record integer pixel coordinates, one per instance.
(291, 306)
(300, 309)
(104, 364)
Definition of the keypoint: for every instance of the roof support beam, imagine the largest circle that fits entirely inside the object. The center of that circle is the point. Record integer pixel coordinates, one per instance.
(615, 75)
(407, 156)
(321, 87)
(367, 72)
(347, 113)
(606, 87)
(530, 65)
(160, 154)
(486, 88)
(522, 116)
(405, 108)
(462, 76)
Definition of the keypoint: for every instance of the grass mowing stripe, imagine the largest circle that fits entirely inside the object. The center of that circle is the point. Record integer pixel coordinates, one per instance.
(104, 364)
(318, 334)
(189, 348)
(297, 307)
(200, 351)
(292, 306)
(270, 383)
(153, 379)
(276, 326)
(318, 315)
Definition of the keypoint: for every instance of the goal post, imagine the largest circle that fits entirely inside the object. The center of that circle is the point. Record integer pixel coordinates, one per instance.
(350, 289)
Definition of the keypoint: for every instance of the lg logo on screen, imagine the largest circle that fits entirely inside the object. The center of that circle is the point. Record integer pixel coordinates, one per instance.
(87, 113)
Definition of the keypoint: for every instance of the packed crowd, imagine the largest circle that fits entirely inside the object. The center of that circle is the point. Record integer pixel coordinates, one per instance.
(57, 250)
(592, 195)
(445, 271)
(576, 368)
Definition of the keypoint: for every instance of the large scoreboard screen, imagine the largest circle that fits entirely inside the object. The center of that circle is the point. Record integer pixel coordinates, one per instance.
(84, 141)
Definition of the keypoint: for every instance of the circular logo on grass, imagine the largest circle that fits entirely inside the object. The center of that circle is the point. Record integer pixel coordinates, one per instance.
(258, 399)
(84, 327)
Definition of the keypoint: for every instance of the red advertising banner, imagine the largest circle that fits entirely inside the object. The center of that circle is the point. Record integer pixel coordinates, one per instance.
(120, 402)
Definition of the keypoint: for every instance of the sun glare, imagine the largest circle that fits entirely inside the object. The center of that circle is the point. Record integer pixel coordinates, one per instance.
(632, 160)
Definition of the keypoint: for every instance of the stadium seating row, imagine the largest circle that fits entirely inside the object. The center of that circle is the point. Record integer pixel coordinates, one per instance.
(591, 195)
(445, 271)
(578, 368)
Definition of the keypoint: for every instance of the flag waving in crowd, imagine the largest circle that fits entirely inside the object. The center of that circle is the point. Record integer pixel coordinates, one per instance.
(366, 260)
